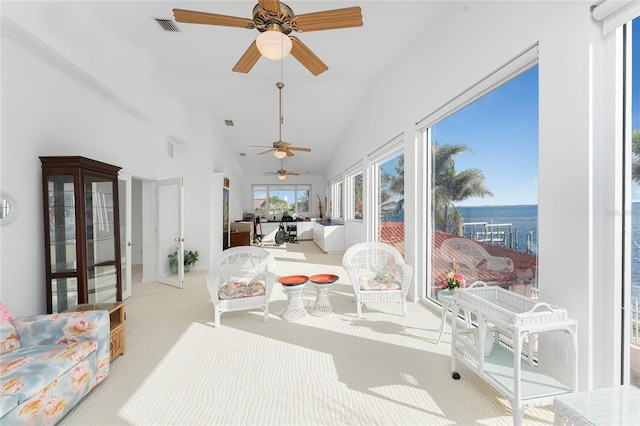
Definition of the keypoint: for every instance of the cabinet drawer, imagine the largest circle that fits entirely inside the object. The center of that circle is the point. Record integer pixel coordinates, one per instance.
(117, 341)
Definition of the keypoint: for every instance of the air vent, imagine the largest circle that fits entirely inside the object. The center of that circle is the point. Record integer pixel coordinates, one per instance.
(243, 154)
(229, 123)
(168, 25)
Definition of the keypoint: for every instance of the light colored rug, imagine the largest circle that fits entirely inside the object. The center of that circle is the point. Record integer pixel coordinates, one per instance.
(383, 369)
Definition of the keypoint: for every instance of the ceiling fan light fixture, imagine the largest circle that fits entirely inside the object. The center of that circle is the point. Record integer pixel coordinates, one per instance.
(282, 176)
(273, 44)
(280, 154)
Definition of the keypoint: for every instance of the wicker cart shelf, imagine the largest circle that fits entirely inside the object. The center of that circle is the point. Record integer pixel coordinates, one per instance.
(513, 322)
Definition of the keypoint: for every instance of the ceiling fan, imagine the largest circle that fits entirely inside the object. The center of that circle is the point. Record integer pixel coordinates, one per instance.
(282, 173)
(280, 148)
(275, 21)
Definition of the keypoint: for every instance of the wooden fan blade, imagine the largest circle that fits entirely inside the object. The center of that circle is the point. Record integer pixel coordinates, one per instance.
(292, 173)
(248, 60)
(270, 5)
(193, 17)
(264, 152)
(290, 154)
(295, 148)
(330, 19)
(306, 57)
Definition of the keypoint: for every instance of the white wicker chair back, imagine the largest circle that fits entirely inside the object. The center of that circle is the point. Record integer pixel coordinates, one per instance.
(241, 278)
(377, 273)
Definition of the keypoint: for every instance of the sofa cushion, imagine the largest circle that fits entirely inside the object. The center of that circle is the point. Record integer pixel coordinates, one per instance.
(61, 328)
(238, 289)
(9, 340)
(381, 281)
(8, 402)
(29, 370)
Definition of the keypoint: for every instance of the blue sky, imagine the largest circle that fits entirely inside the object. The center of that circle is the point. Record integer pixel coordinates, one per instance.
(501, 129)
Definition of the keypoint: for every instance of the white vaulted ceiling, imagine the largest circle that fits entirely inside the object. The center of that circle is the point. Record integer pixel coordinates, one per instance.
(317, 110)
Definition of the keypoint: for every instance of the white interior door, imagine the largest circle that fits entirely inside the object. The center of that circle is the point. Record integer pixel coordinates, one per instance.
(170, 232)
(124, 204)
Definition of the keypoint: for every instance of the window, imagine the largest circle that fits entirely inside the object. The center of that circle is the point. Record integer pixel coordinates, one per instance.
(634, 228)
(483, 194)
(280, 199)
(338, 200)
(356, 197)
(387, 180)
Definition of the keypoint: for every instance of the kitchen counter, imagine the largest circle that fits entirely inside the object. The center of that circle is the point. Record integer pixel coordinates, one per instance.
(329, 236)
(269, 229)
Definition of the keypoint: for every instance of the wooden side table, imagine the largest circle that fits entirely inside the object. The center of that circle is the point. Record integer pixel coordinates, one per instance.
(116, 319)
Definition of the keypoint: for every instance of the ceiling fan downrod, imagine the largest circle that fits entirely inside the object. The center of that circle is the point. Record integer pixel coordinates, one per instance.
(280, 85)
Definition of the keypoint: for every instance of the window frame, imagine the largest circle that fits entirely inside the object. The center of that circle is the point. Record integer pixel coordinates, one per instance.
(384, 153)
(269, 188)
(523, 62)
(337, 198)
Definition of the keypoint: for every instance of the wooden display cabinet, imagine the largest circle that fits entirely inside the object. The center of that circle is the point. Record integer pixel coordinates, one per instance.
(82, 232)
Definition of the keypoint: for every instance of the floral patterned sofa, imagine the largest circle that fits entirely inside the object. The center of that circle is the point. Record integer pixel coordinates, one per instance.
(48, 363)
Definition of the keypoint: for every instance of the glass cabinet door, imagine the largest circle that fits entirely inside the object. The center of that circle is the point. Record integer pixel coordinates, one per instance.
(100, 233)
(81, 230)
(62, 242)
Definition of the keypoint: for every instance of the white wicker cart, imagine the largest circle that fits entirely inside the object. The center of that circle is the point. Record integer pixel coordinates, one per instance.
(513, 321)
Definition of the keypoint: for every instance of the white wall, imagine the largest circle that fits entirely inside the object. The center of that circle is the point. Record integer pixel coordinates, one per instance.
(59, 108)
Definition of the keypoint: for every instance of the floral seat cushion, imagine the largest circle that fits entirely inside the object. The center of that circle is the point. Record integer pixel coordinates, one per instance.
(237, 289)
(25, 373)
(381, 281)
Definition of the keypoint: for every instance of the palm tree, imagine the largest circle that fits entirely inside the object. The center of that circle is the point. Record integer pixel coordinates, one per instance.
(392, 192)
(450, 186)
(635, 153)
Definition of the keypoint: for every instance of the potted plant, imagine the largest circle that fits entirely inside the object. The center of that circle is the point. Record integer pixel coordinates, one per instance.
(190, 258)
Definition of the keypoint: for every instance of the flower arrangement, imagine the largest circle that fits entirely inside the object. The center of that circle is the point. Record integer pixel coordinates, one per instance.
(454, 279)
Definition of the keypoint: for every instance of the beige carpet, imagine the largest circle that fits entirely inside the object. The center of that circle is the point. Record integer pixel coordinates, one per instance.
(383, 369)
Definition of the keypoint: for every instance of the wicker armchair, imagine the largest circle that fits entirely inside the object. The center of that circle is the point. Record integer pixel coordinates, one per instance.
(241, 278)
(377, 273)
(472, 257)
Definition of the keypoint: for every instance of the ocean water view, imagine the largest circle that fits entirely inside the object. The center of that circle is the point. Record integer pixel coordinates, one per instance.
(524, 219)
